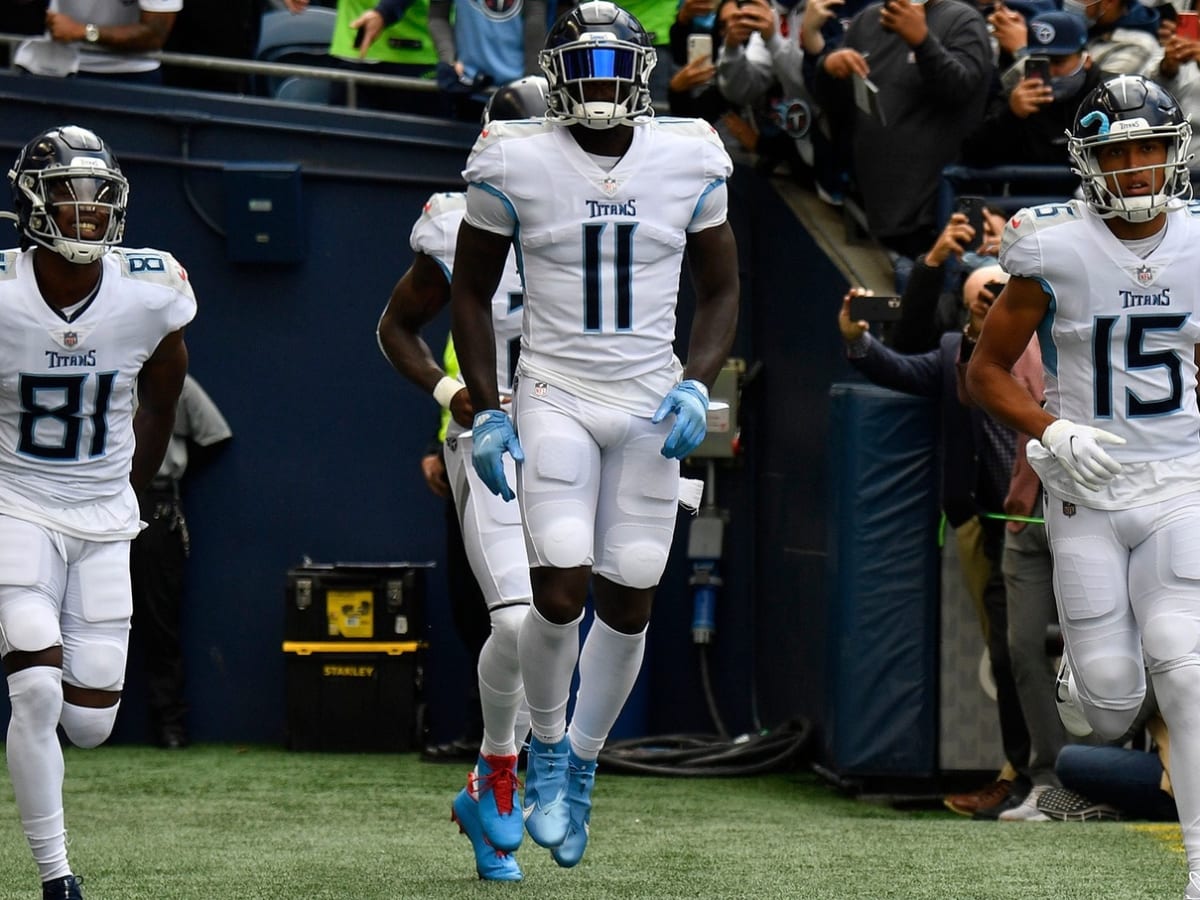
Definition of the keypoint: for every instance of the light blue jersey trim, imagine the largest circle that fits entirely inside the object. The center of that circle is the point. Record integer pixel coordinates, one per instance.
(703, 196)
(1045, 332)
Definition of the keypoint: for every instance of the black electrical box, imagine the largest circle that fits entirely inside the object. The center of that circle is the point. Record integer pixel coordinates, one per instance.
(354, 656)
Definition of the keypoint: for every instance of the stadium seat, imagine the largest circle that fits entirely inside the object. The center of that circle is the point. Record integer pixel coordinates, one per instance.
(302, 39)
(299, 89)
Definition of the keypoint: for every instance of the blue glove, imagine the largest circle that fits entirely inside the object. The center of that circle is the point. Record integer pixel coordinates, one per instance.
(493, 434)
(689, 401)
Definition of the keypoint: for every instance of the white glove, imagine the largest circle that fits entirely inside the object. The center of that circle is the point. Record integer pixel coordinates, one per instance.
(1077, 449)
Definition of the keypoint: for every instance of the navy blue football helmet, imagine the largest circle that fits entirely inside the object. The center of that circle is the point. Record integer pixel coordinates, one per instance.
(1127, 108)
(598, 60)
(69, 166)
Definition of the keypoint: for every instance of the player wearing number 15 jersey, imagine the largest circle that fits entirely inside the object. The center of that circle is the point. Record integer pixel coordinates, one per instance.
(1109, 285)
(83, 325)
(601, 201)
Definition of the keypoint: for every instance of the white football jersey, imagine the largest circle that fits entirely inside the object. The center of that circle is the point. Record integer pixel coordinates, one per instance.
(67, 389)
(600, 250)
(1118, 344)
(436, 234)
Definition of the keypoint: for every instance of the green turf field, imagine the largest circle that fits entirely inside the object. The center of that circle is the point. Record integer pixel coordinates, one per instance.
(237, 823)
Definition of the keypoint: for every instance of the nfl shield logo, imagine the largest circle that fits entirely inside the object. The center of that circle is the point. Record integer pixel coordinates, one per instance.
(70, 339)
(1145, 275)
(540, 389)
(1068, 509)
(609, 185)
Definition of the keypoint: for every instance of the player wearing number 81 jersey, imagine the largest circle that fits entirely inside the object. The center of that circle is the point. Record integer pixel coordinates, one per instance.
(83, 326)
(1109, 285)
(67, 389)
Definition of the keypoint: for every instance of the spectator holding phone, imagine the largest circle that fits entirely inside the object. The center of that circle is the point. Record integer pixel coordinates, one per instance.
(932, 65)
(929, 307)
(1178, 70)
(1028, 125)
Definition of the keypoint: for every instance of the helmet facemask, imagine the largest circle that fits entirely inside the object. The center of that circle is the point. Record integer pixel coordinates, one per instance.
(598, 81)
(95, 197)
(1131, 109)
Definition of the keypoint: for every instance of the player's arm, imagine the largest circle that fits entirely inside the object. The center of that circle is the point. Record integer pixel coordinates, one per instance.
(158, 388)
(480, 256)
(712, 261)
(1010, 324)
(420, 294)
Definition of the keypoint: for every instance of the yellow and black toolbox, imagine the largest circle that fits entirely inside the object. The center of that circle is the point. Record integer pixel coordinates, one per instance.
(354, 650)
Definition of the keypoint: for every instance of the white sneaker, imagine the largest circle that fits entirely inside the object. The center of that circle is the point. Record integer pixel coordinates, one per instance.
(1067, 699)
(1027, 810)
(1193, 887)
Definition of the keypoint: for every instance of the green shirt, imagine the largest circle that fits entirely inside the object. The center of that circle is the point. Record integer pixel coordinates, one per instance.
(406, 42)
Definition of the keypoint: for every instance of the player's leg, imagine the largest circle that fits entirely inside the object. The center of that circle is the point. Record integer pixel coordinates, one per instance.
(33, 576)
(635, 524)
(1101, 637)
(495, 545)
(97, 607)
(556, 487)
(1164, 577)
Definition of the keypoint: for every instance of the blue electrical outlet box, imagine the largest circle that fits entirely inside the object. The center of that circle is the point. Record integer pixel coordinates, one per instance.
(264, 220)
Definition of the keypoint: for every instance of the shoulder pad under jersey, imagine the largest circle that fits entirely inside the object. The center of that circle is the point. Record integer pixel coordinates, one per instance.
(154, 266)
(1032, 219)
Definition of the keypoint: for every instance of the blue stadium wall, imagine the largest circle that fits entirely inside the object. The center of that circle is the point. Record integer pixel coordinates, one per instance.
(324, 462)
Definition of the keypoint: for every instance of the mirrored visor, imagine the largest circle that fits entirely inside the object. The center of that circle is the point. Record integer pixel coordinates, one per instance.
(598, 62)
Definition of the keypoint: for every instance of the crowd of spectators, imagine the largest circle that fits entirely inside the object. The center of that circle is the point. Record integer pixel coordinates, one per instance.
(866, 101)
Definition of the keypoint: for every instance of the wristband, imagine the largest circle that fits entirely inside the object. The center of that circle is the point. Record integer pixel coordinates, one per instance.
(444, 391)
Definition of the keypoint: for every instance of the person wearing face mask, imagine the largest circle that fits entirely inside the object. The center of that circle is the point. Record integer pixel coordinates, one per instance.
(1122, 35)
(1027, 125)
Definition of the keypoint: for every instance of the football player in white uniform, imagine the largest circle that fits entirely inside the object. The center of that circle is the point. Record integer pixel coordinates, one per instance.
(83, 324)
(600, 200)
(488, 808)
(1109, 284)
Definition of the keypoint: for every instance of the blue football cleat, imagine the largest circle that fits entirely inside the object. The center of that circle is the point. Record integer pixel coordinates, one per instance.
(494, 783)
(546, 815)
(69, 887)
(580, 780)
(490, 864)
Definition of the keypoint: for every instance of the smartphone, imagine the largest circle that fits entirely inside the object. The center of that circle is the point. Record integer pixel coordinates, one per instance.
(699, 46)
(359, 36)
(865, 307)
(1187, 25)
(971, 206)
(1038, 67)
(995, 287)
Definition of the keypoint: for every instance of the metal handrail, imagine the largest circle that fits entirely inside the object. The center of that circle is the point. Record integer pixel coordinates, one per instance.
(351, 78)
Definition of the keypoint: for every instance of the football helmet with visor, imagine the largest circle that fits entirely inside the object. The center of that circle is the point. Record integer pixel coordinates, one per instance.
(69, 194)
(597, 59)
(524, 98)
(1130, 108)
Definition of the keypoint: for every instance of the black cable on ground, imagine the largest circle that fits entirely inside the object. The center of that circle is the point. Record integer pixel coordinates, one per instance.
(771, 750)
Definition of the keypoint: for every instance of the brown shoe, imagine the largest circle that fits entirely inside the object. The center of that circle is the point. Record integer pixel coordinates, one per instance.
(986, 797)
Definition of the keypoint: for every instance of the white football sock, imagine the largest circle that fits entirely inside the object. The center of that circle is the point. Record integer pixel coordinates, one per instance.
(501, 693)
(548, 656)
(608, 667)
(1178, 693)
(35, 765)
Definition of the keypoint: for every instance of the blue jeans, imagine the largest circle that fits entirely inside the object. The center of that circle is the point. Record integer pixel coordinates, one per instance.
(1126, 779)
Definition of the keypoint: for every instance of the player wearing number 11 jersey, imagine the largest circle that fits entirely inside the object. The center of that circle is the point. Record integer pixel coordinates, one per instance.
(1110, 286)
(601, 202)
(83, 324)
